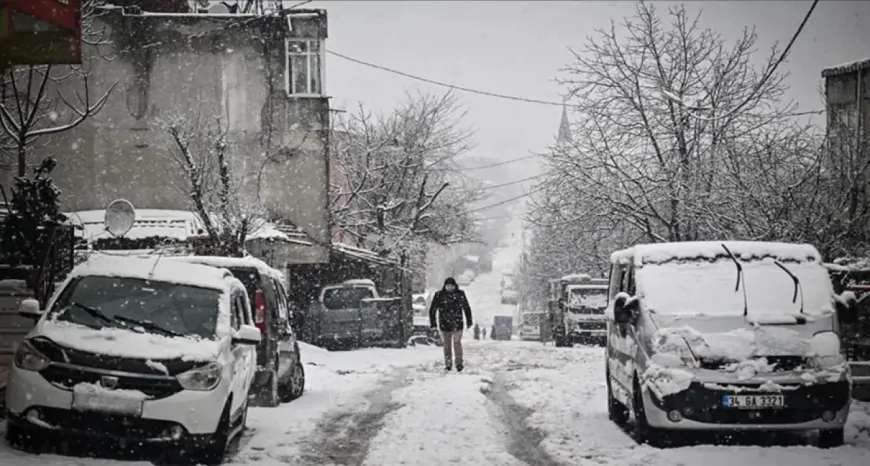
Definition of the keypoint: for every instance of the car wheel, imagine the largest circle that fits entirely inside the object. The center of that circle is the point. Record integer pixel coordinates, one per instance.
(830, 438)
(212, 454)
(646, 433)
(616, 411)
(295, 385)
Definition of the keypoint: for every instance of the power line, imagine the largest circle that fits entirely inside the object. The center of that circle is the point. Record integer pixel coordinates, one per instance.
(443, 84)
(541, 187)
(511, 183)
(498, 164)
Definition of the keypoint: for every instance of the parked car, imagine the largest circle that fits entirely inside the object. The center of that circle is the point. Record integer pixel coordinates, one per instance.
(423, 334)
(280, 372)
(733, 336)
(352, 314)
(139, 351)
(465, 278)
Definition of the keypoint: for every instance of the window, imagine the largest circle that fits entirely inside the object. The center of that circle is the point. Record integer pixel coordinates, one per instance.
(282, 300)
(160, 307)
(304, 67)
(345, 297)
(236, 312)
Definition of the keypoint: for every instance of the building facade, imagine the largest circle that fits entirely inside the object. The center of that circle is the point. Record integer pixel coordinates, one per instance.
(257, 80)
(848, 106)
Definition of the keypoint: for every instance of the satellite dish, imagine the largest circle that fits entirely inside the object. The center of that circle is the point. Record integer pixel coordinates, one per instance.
(119, 218)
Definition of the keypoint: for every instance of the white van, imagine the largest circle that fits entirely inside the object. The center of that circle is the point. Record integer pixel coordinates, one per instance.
(725, 336)
(138, 351)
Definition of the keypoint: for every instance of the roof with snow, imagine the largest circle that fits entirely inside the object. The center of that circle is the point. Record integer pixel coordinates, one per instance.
(155, 268)
(175, 224)
(845, 68)
(712, 250)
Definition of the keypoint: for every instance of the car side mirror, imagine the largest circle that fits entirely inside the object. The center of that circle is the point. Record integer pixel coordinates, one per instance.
(247, 335)
(30, 309)
(624, 310)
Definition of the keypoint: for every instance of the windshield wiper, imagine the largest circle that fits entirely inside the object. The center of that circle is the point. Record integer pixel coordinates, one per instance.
(797, 284)
(94, 312)
(148, 325)
(739, 277)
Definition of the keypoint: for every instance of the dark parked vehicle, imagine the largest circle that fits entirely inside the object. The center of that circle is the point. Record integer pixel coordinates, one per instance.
(280, 373)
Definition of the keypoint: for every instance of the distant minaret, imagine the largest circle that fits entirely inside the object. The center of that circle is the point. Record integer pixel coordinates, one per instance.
(564, 136)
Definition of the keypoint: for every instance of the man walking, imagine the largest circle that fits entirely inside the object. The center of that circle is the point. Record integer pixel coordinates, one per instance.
(450, 303)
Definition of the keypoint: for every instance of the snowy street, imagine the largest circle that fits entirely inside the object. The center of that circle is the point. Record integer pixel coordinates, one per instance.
(516, 404)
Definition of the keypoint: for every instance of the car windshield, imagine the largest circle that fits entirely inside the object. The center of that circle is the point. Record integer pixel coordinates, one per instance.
(708, 287)
(345, 297)
(588, 297)
(159, 307)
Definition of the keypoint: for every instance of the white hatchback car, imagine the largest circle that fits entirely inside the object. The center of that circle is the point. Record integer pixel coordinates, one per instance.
(139, 351)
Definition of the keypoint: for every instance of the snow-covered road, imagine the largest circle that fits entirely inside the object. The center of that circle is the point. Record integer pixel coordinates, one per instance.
(516, 404)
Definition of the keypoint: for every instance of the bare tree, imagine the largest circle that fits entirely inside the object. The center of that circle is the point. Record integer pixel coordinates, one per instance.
(33, 103)
(400, 185)
(676, 137)
(201, 151)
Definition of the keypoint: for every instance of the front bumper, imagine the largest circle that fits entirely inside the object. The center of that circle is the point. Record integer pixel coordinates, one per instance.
(700, 408)
(588, 330)
(196, 413)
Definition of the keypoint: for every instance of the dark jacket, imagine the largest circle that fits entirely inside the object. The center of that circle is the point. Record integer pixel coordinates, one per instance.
(450, 307)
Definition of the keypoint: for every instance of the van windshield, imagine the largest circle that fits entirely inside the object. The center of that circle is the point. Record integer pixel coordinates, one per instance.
(165, 308)
(707, 287)
(345, 297)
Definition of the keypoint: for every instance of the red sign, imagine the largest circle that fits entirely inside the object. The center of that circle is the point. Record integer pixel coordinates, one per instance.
(65, 14)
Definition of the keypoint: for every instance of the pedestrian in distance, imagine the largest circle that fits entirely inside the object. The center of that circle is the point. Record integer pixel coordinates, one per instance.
(476, 332)
(450, 305)
(483, 332)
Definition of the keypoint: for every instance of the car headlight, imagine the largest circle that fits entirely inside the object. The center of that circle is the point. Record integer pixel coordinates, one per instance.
(203, 378)
(29, 359)
(827, 349)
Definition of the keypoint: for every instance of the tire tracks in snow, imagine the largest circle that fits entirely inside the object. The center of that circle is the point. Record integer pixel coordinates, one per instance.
(342, 438)
(524, 442)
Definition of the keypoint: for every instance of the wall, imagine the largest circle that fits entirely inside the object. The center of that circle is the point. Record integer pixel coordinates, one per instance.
(197, 69)
(848, 102)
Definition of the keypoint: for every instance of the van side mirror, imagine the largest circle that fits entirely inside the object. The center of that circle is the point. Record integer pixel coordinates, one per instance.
(624, 310)
(247, 335)
(30, 309)
(845, 305)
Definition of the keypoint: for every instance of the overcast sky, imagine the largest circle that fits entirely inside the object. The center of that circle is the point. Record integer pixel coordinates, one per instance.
(517, 48)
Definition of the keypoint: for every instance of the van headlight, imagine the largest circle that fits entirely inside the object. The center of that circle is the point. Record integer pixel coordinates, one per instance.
(29, 359)
(203, 378)
(827, 350)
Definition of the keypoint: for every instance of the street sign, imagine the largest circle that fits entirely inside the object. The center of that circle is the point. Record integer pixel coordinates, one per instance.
(40, 32)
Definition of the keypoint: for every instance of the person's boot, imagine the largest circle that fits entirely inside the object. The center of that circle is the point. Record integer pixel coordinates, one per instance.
(459, 367)
(449, 366)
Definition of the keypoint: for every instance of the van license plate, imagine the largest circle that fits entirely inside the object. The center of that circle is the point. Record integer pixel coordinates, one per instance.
(753, 401)
(106, 404)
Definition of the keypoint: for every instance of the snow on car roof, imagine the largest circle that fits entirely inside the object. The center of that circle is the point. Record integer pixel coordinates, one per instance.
(359, 281)
(745, 250)
(155, 268)
(227, 262)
